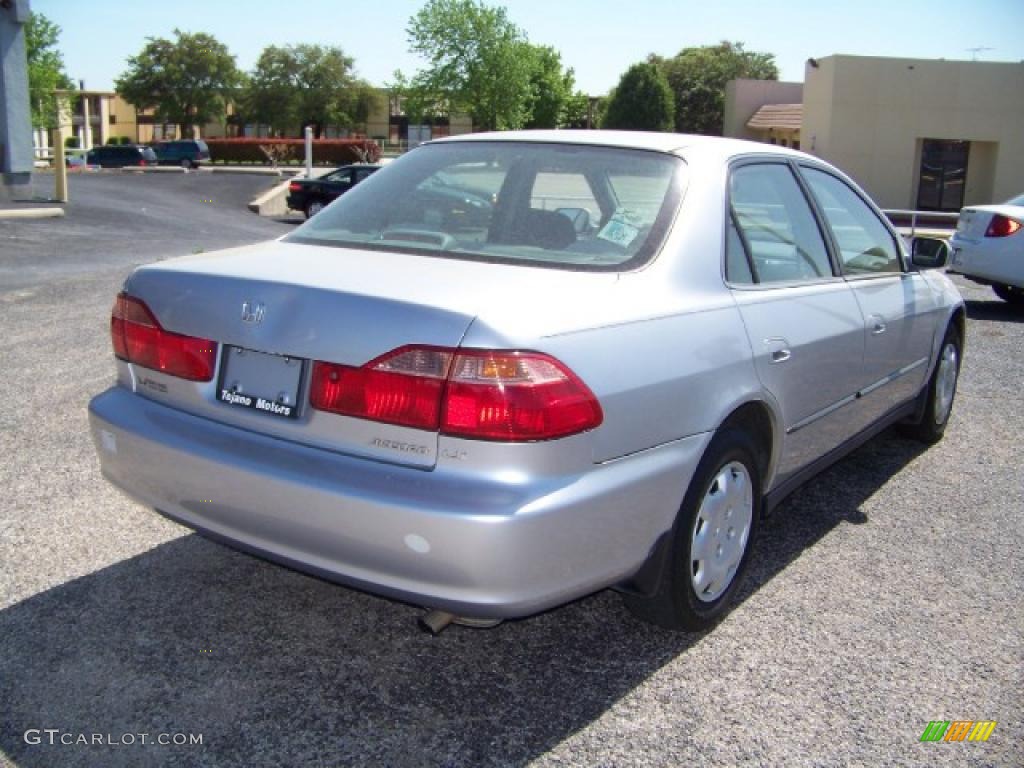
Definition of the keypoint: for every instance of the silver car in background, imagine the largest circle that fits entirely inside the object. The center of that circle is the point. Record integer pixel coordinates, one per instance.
(509, 370)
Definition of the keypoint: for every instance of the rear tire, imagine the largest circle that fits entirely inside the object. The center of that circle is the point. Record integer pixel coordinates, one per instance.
(712, 539)
(186, 163)
(941, 391)
(1010, 294)
(313, 207)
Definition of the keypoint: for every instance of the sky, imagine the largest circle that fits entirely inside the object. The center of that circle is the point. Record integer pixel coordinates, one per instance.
(599, 39)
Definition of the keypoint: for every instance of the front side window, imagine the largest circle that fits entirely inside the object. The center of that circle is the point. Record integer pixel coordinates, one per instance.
(866, 246)
(776, 226)
(559, 205)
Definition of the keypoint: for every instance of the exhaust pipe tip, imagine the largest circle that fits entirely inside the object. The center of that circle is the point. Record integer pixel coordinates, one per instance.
(435, 621)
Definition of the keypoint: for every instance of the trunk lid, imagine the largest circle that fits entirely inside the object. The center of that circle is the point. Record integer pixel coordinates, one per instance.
(340, 305)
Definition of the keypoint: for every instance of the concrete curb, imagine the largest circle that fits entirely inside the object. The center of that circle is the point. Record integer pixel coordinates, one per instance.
(31, 213)
(272, 202)
(256, 170)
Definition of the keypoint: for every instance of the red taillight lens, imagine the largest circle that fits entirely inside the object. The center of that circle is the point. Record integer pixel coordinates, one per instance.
(479, 394)
(1002, 226)
(138, 338)
(142, 162)
(515, 396)
(403, 387)
(294, 186)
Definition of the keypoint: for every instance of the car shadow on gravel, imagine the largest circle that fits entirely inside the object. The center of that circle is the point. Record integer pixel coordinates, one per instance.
(995, 310)
(275, 668)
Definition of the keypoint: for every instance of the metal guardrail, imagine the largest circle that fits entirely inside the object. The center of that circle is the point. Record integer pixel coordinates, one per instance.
(895, 214)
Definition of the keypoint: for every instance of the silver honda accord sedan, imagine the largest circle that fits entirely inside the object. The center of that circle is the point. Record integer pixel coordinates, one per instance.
(509, 370)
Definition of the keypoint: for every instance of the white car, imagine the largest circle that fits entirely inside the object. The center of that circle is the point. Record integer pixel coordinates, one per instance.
(988, 247)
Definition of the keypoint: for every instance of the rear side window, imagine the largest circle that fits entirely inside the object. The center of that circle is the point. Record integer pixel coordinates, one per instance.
(866, 246)
(776, 226)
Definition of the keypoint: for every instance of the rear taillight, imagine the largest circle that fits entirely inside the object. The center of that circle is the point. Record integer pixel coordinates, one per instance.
(294, 186)
(1002, 226)
(479, 394)
(515, 396)
(142, 162)
(402, 387)
(138, 338)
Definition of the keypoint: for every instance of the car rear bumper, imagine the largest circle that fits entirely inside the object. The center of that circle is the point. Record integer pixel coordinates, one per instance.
(495, 547)
(986, 266)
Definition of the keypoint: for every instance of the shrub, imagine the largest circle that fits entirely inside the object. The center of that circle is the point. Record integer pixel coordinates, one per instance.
(71, 142)
(113, 140)
(325, 151)
(127, 140)
(642, 101)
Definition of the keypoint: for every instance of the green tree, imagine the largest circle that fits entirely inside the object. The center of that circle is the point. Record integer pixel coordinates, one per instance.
(475, 62)
(698, 76)
(186, 81)
(642, 101)
(551, 87)
(576, 111)
(45, 69)
(298, 85)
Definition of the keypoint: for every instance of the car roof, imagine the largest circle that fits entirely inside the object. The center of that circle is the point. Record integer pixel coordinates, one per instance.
(674, 143)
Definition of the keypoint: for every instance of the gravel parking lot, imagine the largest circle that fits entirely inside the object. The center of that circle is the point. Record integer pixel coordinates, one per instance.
(885, 594)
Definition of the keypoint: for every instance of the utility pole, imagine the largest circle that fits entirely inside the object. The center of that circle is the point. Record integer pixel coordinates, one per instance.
(975, 51)
(15, 113)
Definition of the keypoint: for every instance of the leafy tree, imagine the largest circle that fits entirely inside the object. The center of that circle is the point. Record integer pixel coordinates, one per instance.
(698, 76)
(576, 111)
(45, 69)
(642, 101)
(551, 87)
(298, 85)
(417, 102)
(475, 62)
(187, 81)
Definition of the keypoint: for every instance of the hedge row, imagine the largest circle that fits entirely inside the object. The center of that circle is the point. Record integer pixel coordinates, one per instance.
(326, 151)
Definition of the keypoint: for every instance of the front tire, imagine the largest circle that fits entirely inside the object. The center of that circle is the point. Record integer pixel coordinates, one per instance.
(941, 391)
(712, 539)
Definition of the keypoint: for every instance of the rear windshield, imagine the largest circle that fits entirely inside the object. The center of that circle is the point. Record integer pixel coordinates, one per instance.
(557, 205)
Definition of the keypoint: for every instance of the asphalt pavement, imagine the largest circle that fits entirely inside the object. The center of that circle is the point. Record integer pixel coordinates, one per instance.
(885, 594)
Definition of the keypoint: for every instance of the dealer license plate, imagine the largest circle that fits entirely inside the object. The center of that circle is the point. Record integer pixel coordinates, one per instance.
(260, 381)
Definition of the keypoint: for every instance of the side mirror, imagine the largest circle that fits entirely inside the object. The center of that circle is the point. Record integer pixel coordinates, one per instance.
(929, 252)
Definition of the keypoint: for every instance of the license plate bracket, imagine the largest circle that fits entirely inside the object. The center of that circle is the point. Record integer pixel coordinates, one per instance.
(261, 381)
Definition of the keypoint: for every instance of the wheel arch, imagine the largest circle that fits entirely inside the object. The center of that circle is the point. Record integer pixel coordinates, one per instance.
(959, 321)
(760, 421)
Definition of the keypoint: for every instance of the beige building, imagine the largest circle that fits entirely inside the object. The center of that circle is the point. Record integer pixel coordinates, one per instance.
(915, 133)
(95, 117)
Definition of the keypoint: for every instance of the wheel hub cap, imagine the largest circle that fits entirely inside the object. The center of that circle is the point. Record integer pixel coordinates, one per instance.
(720, 531)
(945, 383)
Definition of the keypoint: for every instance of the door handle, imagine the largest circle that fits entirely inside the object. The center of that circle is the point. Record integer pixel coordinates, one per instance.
(877, 323)
(780, 352)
